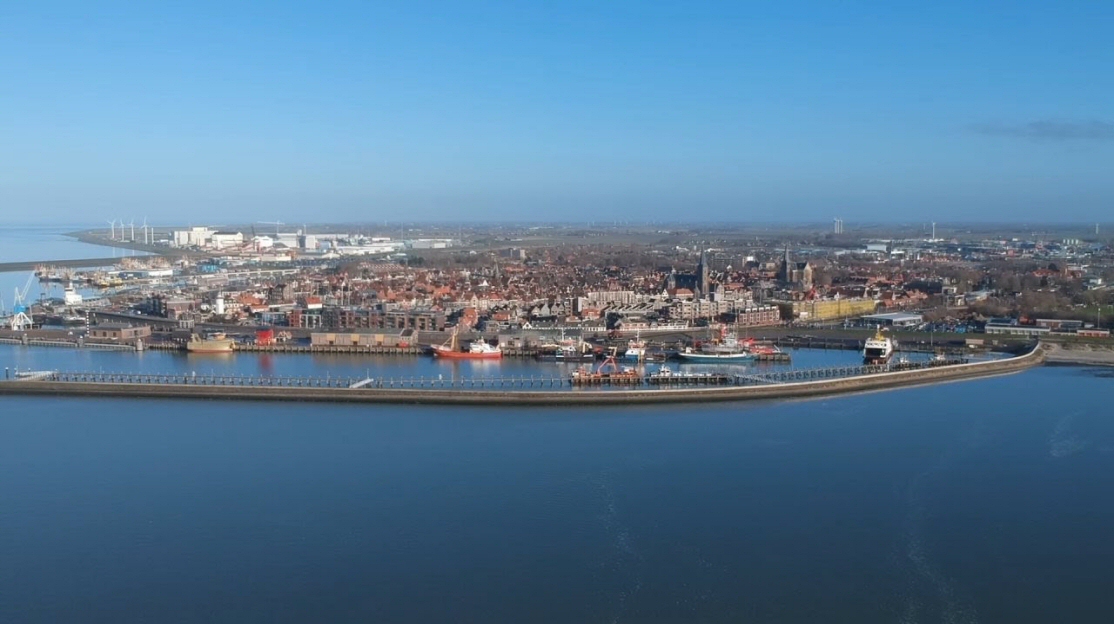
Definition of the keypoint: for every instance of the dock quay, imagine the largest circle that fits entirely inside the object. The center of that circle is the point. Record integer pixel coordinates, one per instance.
(334, 349)
(504, 383)
(519, 391)
(28, 341)
(414, 350)
(304, 348)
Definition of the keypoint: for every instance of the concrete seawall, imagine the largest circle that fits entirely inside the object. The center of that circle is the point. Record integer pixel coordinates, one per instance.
(531, 398)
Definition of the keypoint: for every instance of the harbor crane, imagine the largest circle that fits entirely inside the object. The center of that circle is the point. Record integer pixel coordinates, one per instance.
(21, 320)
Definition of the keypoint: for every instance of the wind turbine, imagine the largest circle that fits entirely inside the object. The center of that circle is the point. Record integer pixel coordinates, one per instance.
(21, 321)
(132, 224)
(112, 229)
(145, 241)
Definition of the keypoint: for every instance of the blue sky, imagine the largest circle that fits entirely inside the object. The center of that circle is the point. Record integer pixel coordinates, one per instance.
(563, 111)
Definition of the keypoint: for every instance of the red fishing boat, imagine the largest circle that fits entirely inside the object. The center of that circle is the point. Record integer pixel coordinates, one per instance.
(477, 350)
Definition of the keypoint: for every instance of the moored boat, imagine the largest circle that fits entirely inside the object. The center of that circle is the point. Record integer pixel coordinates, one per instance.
(477, 350)
(636, 349)
(70, 296)
(65, 320)
(565, 355)
(607, 373)
(760, 348)
(213, 343)
(726, 348)
(567, 350)
(703, 356)
(878, 349)
(666, 375)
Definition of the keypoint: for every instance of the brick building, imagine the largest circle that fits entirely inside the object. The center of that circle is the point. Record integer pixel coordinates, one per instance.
(118, 332)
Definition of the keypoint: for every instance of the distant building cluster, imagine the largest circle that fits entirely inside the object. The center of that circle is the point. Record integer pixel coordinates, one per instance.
(372, 283)
(298, 243)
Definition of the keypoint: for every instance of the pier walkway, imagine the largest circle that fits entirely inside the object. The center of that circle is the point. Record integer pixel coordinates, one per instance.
(69, 344)
(506, 390)
(344, 383)
(510, 382)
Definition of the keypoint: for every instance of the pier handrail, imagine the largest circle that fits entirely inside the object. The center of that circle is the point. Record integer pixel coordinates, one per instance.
(215, 379)
(484, 391)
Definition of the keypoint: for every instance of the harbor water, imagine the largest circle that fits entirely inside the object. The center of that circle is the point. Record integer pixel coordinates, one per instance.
(31, 243)
(46, 243)
(361, 366)
(980, 501)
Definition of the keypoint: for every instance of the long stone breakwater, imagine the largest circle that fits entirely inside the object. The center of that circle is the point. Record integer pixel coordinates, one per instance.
(345, 391)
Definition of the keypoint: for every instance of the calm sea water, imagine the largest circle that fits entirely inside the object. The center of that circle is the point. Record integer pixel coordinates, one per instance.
(30, 243)
(45, 243)
(982, 501)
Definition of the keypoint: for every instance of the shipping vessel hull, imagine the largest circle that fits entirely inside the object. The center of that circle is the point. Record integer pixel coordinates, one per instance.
(465, 355)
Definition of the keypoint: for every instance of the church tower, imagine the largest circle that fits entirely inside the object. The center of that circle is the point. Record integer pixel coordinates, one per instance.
(794, 274)
(785, 272)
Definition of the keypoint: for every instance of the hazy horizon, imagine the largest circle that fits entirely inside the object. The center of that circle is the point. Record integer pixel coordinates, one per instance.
(664, 112)
(1082, 228)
